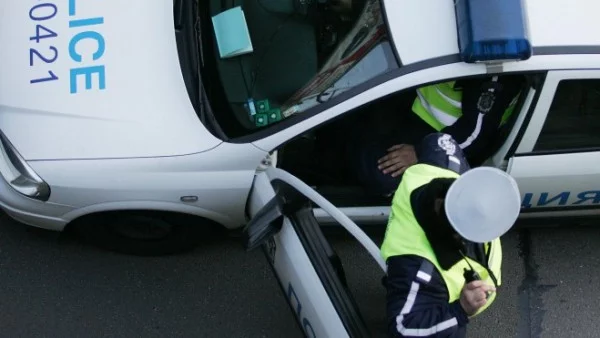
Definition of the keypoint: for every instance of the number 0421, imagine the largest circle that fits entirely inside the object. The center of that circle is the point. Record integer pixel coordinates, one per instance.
(38, 13)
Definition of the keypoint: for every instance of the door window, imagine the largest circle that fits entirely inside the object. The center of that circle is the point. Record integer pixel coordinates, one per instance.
(573, 120)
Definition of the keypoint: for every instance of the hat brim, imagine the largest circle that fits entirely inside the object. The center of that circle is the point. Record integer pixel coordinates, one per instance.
(483, 204)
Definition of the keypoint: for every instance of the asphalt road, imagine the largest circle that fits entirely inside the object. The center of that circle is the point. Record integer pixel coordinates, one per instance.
(51, 285)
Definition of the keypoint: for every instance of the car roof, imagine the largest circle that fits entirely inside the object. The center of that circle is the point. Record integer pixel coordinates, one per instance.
(426, 29)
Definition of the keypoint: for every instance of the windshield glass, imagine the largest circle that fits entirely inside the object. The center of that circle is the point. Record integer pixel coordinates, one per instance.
(295, 55)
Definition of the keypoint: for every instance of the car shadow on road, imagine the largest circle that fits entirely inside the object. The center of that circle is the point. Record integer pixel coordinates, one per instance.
(71, 240)
(52, 284)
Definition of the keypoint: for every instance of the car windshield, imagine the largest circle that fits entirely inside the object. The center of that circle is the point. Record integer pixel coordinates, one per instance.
(301, 53)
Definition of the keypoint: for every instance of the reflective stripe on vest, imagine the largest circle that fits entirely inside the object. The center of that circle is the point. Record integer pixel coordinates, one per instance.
(439, 105)
(404, 235)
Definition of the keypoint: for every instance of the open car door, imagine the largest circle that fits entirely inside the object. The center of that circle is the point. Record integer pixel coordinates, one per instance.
(308, 270)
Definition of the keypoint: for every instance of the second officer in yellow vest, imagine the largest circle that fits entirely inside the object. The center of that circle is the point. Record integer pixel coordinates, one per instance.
(442, 245)
(472, 111)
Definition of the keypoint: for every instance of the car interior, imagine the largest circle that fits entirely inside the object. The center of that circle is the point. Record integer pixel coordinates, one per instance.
(320, 156)
(291, 41)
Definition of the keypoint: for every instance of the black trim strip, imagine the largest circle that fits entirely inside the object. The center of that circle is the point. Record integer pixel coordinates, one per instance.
(575, 49)
(562, 209)
(556, 221)
(376, 81)
(525, 126)
(559, 152)
(403, 70)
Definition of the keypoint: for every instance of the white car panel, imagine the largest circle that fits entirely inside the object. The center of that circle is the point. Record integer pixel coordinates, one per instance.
(45, 215)
(100, 111)
(569, 179)
(426, 29)
(558, 180)
(423, 29)
(304, 289)
(550, 62)
(220, 179)
(298, 279)
(119, 90)
(552, 24)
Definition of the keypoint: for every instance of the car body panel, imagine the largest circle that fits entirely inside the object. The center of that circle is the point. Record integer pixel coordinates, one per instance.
(136, 105)
(220, 180)
(550, 24)
(558, 180)
(565, 179)
(138, 144)
(295, 273)
(308, 269)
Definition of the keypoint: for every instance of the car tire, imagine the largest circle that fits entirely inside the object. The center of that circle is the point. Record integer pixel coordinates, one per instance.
(145, 233)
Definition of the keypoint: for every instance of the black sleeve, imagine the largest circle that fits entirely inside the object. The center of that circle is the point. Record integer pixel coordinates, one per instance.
(417, 301)
(483, 104)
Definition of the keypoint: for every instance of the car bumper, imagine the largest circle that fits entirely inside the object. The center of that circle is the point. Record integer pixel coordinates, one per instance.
(32, 212)
(45, 222)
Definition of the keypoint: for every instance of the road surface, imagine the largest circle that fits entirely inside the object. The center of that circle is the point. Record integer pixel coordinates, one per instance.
(51, 285)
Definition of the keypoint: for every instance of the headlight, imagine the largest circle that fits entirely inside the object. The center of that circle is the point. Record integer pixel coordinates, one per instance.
(20, 175)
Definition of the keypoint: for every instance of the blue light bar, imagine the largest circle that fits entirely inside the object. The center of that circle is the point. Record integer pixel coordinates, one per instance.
(492, 30)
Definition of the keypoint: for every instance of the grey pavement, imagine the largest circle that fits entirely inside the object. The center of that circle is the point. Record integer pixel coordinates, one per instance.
(51, 285)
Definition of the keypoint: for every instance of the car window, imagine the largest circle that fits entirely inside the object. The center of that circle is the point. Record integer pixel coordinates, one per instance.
(302, 57)
(573, 121)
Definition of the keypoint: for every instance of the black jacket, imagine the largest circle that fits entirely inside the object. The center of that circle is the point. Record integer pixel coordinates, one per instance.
(482, 111)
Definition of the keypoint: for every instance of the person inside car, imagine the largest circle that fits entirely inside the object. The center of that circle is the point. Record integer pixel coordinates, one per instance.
(472, 111)
(442, 242)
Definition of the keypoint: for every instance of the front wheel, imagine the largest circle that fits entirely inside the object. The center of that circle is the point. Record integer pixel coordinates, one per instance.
(145, 233)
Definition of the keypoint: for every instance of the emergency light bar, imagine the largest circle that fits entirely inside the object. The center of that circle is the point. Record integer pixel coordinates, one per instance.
(492, 30)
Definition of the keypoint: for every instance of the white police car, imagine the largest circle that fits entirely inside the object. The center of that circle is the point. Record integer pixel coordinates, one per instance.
(121, 119)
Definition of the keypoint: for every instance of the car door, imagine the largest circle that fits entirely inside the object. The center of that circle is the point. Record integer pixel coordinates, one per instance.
(308, 270)
(557, 162)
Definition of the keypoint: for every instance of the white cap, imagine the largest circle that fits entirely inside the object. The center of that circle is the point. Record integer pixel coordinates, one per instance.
(483, 204)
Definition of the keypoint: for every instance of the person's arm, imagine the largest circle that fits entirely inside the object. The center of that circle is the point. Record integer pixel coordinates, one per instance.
(483, 104)
(418, 303)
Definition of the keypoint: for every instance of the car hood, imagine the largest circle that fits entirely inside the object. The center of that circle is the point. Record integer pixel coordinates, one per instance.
(118, 92)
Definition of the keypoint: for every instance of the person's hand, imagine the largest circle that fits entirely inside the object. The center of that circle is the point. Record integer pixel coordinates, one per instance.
(474, 295)
(398, 159)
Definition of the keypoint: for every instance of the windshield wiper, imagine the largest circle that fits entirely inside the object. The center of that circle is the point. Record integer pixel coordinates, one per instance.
(188, 31)
(198, 39)
(186, 28)
(206, 113)
(198, 30)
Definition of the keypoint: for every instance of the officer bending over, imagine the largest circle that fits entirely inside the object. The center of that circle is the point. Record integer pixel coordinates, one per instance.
(472, 111)
(442, 236)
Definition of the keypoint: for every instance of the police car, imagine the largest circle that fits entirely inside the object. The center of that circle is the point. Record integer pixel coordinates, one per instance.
(144, 125)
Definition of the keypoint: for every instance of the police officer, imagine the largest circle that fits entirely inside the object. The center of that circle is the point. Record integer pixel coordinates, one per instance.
(472, 111)
(442, 245)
